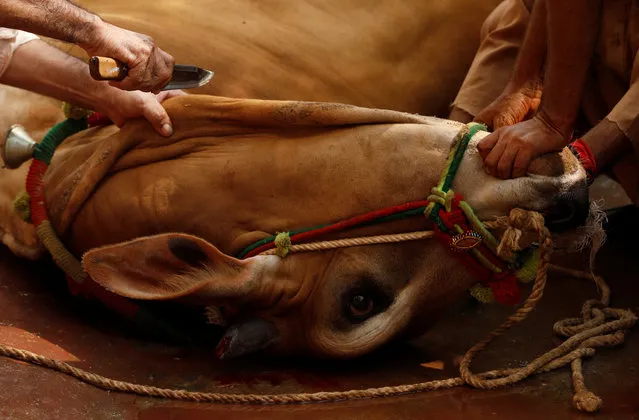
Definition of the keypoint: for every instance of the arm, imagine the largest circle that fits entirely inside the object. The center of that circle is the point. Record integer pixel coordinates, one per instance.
(150, 68)
(617, 135)
(522, 95)
(530, 62)
(572, 35)
(41, 68)
(571, 38)
(59, 19)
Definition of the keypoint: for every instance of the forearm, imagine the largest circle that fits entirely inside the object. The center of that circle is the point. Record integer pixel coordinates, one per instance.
(607, 143)
(41, 68)
(59, 19)
(572, 33)
(530, 61)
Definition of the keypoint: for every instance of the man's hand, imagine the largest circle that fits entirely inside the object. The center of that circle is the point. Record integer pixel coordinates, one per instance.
(149, 68)
(508, 151)
(123, 106)
(38, 67)
(511, 107)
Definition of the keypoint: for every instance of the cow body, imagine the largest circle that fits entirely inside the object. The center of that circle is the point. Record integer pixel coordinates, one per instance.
(161, 219)
(407, 56)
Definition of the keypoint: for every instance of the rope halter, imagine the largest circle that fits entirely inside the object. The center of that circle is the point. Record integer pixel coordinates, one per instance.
(456, 227)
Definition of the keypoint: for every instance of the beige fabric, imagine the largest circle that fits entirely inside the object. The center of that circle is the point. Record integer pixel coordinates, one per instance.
(617, 63)
(501, 37)
(612, 91)
(10, 39)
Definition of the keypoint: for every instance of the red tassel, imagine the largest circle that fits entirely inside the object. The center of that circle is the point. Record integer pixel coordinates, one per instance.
(581, 149)
(96, 119)
(505, 289)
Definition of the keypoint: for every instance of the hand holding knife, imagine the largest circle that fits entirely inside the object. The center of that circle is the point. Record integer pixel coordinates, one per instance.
(184, 76)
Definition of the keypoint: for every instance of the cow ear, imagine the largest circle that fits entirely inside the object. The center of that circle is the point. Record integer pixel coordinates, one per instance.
(170, 266)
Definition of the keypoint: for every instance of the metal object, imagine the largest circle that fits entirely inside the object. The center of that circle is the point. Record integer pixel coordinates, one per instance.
(18, 147)
(188, 77)
(184, 76)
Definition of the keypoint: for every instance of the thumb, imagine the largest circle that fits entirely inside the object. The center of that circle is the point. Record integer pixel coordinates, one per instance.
(486, 144)
(486, 116)
(155, 113)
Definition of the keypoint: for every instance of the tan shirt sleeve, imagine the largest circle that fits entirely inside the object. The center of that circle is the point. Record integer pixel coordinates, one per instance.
(10, 39)
(502, 35)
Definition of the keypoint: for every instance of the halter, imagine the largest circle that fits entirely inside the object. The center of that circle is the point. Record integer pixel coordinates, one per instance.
(455, 226)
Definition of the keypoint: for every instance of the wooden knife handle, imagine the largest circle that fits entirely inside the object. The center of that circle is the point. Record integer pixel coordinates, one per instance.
(105, 68)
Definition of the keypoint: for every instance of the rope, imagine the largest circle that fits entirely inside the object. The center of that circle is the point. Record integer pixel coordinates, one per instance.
(285, 248)
(598, 326)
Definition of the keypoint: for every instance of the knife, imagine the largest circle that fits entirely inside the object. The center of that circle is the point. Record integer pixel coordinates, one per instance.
(184, 76)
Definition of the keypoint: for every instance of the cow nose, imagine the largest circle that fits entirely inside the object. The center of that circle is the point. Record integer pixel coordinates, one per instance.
(570, 210)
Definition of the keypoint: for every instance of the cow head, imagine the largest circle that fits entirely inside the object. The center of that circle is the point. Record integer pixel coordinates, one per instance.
(339, 303)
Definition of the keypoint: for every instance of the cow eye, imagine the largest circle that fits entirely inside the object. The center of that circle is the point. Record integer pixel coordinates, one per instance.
(361, 306)
(364, 302)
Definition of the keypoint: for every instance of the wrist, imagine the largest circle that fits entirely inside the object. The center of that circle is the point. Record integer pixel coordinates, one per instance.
(92, 34)
(104, 98)
(531, 87)
(557, 122)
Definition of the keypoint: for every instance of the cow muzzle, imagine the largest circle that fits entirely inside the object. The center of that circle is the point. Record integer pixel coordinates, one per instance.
(570, 209)
(245, 337)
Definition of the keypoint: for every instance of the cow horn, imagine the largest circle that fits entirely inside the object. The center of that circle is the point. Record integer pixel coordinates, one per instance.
(245, 337)
(17, 147)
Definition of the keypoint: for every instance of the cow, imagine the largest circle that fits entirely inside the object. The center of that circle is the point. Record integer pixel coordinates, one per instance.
(406, 56)
(159, 219)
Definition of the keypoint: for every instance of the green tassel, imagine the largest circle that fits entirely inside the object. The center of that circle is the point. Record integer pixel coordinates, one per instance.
(74, 112)
(482, 294)
(283, 244)
(528, 271)
(22, 207)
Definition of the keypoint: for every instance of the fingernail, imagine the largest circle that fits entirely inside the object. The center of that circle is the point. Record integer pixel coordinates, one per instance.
(167, 130)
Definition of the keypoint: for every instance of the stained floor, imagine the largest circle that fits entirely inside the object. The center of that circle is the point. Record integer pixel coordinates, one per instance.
(37, 314)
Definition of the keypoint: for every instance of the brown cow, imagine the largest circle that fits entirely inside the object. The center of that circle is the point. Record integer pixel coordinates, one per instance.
(161, 219)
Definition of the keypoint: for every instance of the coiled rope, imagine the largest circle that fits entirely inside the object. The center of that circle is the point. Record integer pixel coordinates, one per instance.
(599, 325)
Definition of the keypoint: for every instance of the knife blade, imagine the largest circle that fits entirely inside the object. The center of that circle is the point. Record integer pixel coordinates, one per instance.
(184, 76)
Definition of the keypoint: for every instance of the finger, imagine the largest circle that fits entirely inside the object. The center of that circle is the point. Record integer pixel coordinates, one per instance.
(162, 70)
(134, 81)
(168, 94)
(491, 161)
(486, 117)
(506, 161)
(505, 119)
(521, 163)
(486, 144)
(155, 113)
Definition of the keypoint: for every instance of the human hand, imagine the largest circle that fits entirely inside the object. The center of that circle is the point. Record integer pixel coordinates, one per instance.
(511, 107)
(121, 106)
(149, 68)
(508, 151)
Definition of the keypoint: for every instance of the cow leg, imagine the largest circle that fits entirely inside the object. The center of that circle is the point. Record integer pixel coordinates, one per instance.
(501, 36)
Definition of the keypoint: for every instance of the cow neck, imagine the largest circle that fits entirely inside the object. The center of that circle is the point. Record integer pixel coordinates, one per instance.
(456, 226)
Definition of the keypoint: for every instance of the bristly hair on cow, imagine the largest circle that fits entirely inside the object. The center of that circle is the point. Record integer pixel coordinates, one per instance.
(592, 235)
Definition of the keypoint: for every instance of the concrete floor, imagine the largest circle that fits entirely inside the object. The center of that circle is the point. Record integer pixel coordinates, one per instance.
(37, 314)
